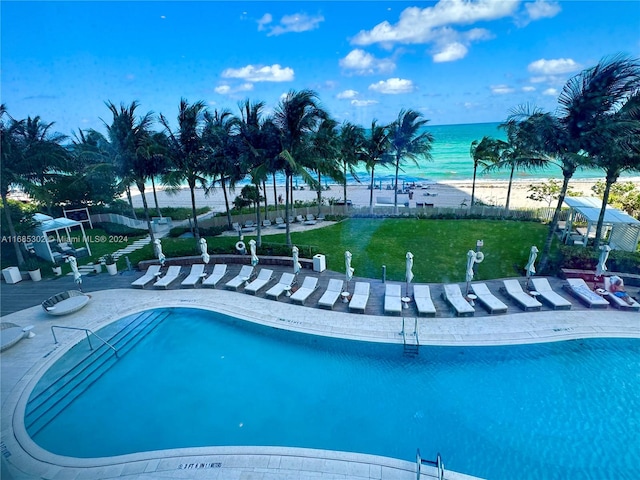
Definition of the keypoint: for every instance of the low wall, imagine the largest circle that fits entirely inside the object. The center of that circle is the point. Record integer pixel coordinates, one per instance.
(230, 259)
(630, 279)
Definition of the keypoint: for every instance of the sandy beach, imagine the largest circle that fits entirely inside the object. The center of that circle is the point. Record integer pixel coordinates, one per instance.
(440, 194)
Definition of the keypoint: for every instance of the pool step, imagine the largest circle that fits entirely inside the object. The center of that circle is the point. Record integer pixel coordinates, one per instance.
(50, 401)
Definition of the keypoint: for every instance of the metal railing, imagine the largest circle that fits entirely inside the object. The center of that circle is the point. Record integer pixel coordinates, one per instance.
(414, 334)
(87, 332)
(437, 463)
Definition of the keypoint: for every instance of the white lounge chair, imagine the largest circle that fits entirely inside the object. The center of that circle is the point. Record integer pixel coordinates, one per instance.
(280, 223)
(310, 220)
(488, 300)
(392, 298)
(360, 297)
(513, 289)
(579, 289)
(249, 226)
(299, 218)
(331, 294)
(424, 303)
(266, 223)
(219, 271)
(171, 276)
(616, 301)
(195, 275)
(245, 274)
(548, 296)
(283, 285)
(308, 286)
(151, 275)
(261, 281)
(453, 296)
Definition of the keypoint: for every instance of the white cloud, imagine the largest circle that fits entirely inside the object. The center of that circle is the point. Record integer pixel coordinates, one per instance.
(266, 19)
(553, 67)
(298, 22)
(501, 89)
(550, 92)
(222, 89)
(228, 90)
(363, 63)
(363, 103)
(542, 9)
(392, 86)
(528, 88)
(267, 73)
(347, 94)
(451, 52)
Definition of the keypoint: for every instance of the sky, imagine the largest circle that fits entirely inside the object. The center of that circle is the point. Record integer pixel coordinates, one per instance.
(454, 61)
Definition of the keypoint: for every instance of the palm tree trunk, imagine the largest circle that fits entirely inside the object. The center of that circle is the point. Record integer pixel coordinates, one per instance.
(473, 185)
(286, 209)
(395, 187)
(196, 230)
(506, 205)
(266, 204)
(610, 180)
(546, 249)
(344, 172)
(140, 185)
(12, 230)
(371, 193)
(130, 199)
(257, 207)
(155, 196)
(226, 201)
(319, 192)
(275, 193)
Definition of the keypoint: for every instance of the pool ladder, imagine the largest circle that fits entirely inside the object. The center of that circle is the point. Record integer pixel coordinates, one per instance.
(437, 463)
(411, 348)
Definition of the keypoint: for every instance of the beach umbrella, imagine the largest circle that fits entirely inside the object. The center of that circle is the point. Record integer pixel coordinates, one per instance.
(158, 248)
(530, 267)
(409, 273)
(348, 269)
(296, 264)
(602, 261)
(73, 262)
(203, 250)
(472, 259)
(254, 257)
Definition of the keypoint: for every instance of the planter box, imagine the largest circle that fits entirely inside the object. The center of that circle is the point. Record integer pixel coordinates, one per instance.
(35, 275)
(12, 275)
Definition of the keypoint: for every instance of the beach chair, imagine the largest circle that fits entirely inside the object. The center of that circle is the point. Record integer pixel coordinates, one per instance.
(424, 303)
(488, 300)
(616, 301)
(299, 218)
(249, 226)
(151, 275)
(453, 296)
(311, 220)
(283, 285)
(392, 299)
(308, 286)
(548, 296)
(171, 276)
(513, 290)
(246, 272)
(195, 275)
(266, 223)
(219, 271)
(280, 223)
(331, 294)
(261, 281)
(360, 297)
(580, 290)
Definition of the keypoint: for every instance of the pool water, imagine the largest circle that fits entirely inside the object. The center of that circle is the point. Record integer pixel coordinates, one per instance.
(557, 410)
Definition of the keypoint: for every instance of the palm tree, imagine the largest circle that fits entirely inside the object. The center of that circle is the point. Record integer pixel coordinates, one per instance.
(129, 138)
(296, 117)
(324, 153)
(375, 147)
(350, 144)
(408, 140)
(483, 154)
(187, 153)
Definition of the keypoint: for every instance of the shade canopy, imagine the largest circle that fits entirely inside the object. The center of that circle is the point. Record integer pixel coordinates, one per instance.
(51, 231)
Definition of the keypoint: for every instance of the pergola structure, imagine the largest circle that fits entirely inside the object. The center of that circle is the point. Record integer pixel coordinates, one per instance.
(48, 232)
(624, 229)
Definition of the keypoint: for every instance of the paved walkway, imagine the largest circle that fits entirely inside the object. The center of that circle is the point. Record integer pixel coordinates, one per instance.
(113, 298)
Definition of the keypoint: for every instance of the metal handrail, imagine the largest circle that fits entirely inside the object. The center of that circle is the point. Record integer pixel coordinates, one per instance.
(87, 332)
(437, 463)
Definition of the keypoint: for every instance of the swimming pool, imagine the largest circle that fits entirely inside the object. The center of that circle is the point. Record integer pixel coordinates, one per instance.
(568, 409)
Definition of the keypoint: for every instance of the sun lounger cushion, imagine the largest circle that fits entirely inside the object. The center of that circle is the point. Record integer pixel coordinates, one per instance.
(261, 280)
(488, 300)
(548, 296)
(308, 287)
(171, 276)
(579, 289)
(424, 303)
(360, 297)
(514, 290)
(195, 275)
(453, 296)
(219, 271)
(152, 274)
(283, 285)
(331, 294)
(245, 274)
(392, 299)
